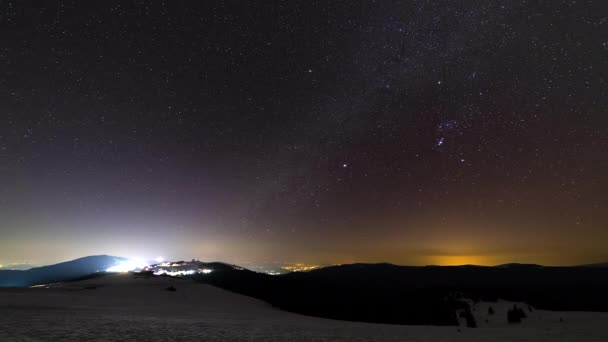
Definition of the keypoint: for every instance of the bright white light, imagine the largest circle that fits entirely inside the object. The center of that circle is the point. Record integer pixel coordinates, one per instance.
(183, 272)
(159, 259)
(175, 273)
(128, 265)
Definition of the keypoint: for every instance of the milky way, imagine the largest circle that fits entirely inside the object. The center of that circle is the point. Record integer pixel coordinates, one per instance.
(305, 131)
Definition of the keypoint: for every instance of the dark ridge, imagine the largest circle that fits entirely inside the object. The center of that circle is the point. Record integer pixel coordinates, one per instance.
(386, 293)
(315, 294)
(516, 265)
(598, 265)
(217, 265)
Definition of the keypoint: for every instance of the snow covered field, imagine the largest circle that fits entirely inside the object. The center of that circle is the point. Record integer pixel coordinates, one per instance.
(125, 308)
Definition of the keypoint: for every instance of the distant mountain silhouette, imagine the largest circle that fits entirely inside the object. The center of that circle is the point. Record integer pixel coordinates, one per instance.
(517, 265)
(58, 272)
(17, 267)
(597, 265)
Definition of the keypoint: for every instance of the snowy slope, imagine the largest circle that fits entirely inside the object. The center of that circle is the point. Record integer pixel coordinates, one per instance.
(125, 308)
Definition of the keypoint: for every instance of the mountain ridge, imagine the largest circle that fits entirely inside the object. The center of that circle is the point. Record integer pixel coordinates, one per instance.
(58, 272)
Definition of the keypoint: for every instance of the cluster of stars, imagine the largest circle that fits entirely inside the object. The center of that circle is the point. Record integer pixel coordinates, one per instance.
(304, 120)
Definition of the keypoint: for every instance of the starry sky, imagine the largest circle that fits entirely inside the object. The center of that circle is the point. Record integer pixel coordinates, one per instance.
(413, 132)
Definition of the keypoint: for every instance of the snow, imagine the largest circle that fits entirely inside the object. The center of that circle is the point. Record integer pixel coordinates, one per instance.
(126, 308)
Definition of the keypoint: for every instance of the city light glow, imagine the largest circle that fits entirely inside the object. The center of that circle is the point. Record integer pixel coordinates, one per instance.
(300, 267)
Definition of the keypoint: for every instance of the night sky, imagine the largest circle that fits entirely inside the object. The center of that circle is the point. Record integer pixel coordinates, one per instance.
(412, 132)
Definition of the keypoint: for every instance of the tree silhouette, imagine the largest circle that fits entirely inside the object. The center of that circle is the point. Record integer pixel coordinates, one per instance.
(468, 316)
(515, 315)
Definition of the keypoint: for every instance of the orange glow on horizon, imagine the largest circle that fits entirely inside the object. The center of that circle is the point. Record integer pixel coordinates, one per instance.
(457, 260)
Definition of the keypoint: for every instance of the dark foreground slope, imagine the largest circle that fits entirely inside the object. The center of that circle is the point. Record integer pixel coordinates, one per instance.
(341, 296)
(58, 272)
(418, 295)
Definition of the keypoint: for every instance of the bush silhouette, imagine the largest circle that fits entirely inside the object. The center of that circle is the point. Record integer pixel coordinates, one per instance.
(468, 316)
(515, 315)
(490, 310)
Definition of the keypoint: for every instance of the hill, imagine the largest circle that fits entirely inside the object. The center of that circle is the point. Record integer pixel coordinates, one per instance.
(385, 293)
(131, 307)
(58, 272)
(380, 293)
